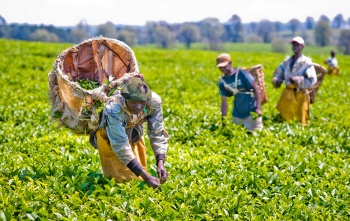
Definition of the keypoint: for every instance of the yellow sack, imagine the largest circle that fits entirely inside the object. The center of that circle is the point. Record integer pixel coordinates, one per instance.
(111, 165)
(294, 105)
(333, 70)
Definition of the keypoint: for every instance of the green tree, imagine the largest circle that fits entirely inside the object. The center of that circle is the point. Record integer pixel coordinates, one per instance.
(279, 45)
(310, 23)
(188, 34)
(234, 29)
(265, 30)
(251, 28)
(128, 37)
(294, 25)
(322, 33)
(79, 33)
(211, 31)
(107, 30)
(163, 36)
(44, 35)
(344, 41)
(324, 18)
(149, 32)
(21, 32)
(253, 38)
(62, 33)
(278, 26)
(338, 21)
(2, 20)
(4, 29)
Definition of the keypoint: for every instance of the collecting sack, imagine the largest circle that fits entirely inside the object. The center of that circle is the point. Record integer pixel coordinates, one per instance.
(83, 77)
(320, 72)
(258, 74)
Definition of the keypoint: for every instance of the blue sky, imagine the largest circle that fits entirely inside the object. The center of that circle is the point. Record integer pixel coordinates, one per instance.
(138, 12)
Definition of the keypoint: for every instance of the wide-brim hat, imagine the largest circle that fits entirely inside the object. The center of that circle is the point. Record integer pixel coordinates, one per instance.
(136, 89)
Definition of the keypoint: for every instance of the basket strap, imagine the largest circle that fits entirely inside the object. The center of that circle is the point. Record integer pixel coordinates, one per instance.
(237, 72)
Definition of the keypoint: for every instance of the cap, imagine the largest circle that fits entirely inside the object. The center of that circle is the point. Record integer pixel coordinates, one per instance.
(136, 89)
(298, 39)
(222, 60)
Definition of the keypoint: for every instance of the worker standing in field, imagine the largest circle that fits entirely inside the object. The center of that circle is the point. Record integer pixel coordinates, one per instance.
(332, 63)
(240, 84)
(299, 74)
(120, 139)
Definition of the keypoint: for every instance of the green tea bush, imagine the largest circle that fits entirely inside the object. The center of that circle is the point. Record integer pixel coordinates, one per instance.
(279, 45)
(284, 172)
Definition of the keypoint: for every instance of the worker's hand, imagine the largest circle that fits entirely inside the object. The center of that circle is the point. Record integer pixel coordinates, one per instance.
(162, 173)
(150, 180)
(259, 112)
(276, 83)
(292, 79)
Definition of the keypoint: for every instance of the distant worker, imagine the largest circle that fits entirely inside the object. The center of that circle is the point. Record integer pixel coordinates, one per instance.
(332, 63)
(299, 75)
(120, 139)
(240, 84)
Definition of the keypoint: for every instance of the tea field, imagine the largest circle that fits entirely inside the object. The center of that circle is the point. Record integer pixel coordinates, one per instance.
(284, 172)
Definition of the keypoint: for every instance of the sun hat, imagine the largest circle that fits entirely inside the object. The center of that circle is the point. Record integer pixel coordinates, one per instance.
(136, 89)
(298, 39)
(222, 60)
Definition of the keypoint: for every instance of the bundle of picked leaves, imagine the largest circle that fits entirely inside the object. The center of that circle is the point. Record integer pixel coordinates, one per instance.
(88, 84)
(90, 106)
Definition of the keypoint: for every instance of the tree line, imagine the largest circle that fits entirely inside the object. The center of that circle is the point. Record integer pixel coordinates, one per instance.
(209, 31)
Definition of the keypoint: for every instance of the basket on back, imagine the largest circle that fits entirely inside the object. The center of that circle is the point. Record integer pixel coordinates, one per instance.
(103, 64)
(320, 72)
(258, 74)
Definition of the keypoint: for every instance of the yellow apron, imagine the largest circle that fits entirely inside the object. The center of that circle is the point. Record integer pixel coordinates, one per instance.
(112, 167)
(294, 105)
(333, 70)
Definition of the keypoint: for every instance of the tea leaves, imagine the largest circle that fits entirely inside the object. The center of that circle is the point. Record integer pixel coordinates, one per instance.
(216, 172)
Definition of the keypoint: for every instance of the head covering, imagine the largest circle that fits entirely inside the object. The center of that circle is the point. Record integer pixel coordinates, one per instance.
(136, 89)
(298, 39)
(222, 60)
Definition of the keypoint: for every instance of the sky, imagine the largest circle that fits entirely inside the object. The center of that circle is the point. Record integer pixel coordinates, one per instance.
(138, 12)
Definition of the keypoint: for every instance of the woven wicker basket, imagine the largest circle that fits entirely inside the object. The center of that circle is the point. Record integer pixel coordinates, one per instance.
(320, 72)
(98, 59)
(258, 74)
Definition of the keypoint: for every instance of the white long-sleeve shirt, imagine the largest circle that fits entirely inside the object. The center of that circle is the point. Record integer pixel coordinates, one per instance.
(332, 62)
(302, 68)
